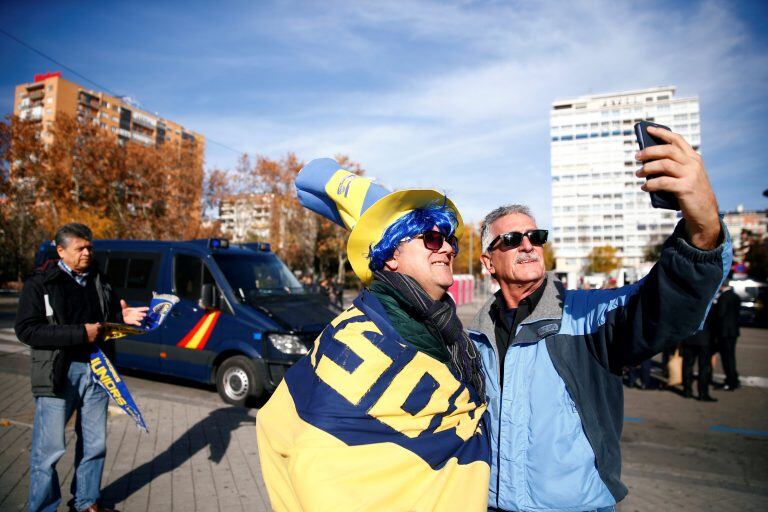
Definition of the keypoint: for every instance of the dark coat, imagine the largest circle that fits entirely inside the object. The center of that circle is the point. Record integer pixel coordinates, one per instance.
(728, 307)
(51, 335)
(706, 336)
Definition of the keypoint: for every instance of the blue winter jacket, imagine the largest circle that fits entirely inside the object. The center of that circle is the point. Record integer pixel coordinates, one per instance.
(589, 335)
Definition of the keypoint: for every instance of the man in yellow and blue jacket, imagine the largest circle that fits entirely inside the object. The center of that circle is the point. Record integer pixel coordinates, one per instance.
(386, 411)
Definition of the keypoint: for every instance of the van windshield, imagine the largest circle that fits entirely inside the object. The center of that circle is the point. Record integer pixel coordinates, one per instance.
(257, 275)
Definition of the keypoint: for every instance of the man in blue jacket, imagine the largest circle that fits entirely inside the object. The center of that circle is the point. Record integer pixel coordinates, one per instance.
(553, 357)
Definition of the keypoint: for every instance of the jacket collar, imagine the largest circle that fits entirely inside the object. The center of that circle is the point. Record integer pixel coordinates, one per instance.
(549, 308)
(52, 271)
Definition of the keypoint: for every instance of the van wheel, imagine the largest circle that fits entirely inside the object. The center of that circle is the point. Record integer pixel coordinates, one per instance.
(237, 380)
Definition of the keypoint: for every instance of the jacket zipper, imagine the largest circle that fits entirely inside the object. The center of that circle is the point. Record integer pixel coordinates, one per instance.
(498, 430)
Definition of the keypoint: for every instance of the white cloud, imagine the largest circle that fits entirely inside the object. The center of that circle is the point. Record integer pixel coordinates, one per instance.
(478, 127)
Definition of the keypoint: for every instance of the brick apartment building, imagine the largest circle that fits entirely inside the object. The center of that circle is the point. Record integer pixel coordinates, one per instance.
(49, 95)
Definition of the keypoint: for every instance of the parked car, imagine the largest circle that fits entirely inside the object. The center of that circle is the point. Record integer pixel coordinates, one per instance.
(753, 295)
(242, 320)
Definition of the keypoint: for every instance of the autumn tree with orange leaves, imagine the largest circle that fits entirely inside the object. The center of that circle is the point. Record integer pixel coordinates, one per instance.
(293, 229)
(20, 209)
(78, 172)
(304, 240)
(469, 251)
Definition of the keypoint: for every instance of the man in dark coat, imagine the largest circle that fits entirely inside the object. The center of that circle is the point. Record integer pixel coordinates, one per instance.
(699, 347)
(61, 312)
(727, 331)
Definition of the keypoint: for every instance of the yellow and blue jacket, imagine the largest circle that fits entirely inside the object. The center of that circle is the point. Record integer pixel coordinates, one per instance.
(367, 422)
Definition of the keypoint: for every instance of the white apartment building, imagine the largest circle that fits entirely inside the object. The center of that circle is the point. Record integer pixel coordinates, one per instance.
(247, 217)
(596, 197)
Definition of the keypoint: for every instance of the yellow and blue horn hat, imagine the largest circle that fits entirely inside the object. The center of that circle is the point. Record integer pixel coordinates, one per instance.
(360, 205)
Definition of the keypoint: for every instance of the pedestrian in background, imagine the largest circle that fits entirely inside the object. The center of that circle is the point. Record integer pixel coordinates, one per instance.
(726, 330)
(699, 348)
(640, 376)
(60, 315)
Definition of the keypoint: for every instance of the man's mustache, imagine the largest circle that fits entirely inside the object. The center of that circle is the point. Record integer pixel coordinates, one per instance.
(526, 256)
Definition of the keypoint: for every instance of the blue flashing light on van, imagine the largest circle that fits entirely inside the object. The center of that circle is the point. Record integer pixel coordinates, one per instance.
(242, 320)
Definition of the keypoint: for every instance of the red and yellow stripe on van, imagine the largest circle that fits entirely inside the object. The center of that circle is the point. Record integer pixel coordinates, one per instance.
(198, 336)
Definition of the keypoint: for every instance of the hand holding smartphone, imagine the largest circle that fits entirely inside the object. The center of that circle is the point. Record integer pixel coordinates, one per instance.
(666, 200)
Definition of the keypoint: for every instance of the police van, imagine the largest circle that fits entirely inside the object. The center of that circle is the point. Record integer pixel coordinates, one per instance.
(242, 319)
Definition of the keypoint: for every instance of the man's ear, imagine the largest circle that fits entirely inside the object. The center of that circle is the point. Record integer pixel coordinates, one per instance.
(59, 250)
(391, 264)
(488, 264)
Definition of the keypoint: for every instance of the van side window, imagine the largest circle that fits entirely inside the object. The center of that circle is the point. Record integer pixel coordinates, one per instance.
(117, 269)
(138, 273)
(101, 260)
(189, 275)
(133, 275)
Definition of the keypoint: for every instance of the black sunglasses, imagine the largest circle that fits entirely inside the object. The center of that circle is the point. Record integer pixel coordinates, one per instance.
(433, 240)
(515, 238)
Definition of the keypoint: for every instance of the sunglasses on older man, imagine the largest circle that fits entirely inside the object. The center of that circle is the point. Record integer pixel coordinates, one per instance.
(515, 238)
(433, 240)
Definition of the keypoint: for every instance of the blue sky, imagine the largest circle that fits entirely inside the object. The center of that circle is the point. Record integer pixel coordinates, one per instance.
(435, 94)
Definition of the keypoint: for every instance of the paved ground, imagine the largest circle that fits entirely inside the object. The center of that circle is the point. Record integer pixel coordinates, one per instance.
(201, 455)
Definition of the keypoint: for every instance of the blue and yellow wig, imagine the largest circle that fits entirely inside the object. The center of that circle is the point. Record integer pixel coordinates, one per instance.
(411, 224)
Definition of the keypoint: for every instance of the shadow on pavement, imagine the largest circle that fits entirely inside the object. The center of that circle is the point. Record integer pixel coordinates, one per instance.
(214, 431)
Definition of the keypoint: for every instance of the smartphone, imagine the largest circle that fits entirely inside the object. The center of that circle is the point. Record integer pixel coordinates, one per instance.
(666, 200)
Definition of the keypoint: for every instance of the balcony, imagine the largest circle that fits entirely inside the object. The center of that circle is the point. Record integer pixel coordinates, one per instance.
(89, 100)
(142, 138)
(90, 104)
(33, 114)
(145, 121)
(36, 95)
